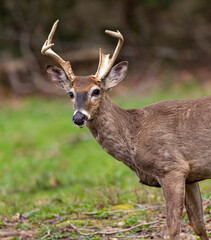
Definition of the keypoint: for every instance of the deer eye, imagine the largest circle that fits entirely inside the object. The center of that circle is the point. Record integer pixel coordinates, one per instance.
(96, 92)
(71, 95)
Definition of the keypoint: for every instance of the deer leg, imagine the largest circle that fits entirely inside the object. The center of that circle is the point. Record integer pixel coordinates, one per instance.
(173, 185)
(193, 204)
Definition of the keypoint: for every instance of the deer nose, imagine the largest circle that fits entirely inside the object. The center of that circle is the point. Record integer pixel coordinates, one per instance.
(79, 118)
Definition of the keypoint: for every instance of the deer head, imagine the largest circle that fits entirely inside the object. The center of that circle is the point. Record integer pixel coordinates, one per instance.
(86, 92)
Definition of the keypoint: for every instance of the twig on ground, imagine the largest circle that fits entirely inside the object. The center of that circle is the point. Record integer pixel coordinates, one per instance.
(47, 235)
(114, 211)
(147, 208)
(14, 234)
(9, 234)
(113, 232)
(137, 236)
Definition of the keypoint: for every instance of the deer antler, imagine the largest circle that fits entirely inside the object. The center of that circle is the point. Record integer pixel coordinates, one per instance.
(46, 50)
(105, 63)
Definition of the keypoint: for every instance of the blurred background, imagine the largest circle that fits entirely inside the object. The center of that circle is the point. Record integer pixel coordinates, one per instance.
(161, 38)
(50, 168)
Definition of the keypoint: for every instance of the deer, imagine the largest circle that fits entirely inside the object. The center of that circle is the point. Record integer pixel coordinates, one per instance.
(167, 144)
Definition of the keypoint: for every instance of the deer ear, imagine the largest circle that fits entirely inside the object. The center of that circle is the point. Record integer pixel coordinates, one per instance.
(58, 77)
(117, 73)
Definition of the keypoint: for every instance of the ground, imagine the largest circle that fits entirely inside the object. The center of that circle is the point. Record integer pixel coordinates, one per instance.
(125, 221)
(57, 183)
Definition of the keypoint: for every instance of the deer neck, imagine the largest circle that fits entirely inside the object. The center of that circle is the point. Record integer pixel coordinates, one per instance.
(106, 126)
(111, 129)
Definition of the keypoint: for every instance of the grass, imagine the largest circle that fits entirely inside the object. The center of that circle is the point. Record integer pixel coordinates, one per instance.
(50, 169)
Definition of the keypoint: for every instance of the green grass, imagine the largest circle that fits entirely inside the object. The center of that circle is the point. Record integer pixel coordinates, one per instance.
(44, 156)
(50, 168)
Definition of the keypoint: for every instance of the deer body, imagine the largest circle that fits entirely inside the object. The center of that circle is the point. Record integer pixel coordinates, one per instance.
(161, 141)
(167, 144)
(170, 138)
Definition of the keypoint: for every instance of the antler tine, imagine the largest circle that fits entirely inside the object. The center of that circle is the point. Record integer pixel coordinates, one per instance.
(118, 35)
(105, 62)
(46, 50)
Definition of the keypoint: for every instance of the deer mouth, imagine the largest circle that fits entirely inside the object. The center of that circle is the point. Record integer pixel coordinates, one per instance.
(82, 125)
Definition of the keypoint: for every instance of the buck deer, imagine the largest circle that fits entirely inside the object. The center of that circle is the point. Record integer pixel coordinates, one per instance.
(167, 144)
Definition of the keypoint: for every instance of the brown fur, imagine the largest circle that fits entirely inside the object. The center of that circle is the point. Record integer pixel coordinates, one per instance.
(167, 144)
(81, 84)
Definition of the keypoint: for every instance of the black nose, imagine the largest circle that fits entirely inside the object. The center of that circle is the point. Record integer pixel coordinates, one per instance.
(79, 118)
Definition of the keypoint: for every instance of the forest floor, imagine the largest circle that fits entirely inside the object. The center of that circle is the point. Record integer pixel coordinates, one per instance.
(124, 221)
(57, 183)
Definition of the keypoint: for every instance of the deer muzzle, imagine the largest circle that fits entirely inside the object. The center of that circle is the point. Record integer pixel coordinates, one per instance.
(80, 119)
